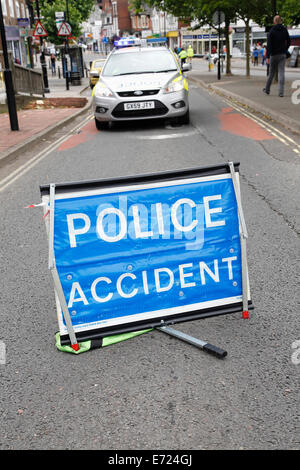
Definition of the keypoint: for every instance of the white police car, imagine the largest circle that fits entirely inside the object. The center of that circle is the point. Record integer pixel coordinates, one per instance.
(140, 82)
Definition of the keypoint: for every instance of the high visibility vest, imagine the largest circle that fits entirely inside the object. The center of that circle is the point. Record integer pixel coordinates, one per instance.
(182, 54)
(190, 52)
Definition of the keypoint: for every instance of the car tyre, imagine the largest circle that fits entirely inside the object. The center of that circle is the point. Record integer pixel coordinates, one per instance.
(185, 119)
(101, 125)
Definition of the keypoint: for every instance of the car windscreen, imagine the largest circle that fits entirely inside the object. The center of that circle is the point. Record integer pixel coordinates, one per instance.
(139, 62)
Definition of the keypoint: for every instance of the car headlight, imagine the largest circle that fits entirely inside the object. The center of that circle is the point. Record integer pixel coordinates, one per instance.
(102, 91)
(175, 85)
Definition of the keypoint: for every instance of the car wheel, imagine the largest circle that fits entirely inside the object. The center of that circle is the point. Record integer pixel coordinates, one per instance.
(185, 119)
(101, 125)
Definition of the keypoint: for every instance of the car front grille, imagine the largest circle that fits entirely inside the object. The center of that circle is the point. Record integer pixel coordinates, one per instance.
(159, 110)
(126, 94)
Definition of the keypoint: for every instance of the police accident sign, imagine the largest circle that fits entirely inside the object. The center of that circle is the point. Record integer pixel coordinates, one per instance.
(132, 252)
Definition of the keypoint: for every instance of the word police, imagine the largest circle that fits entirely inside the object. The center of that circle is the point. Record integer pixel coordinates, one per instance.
(80, 224)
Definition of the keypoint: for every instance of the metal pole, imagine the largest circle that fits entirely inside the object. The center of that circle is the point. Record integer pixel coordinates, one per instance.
(219, 60)
(42, 57)
(56, 279)
(10, 93)
(204, 345)
(209, 52)
(67, 50)
(243, 238)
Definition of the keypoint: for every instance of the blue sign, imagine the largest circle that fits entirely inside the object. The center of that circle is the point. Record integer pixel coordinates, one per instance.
(129, 254)
(23, 22)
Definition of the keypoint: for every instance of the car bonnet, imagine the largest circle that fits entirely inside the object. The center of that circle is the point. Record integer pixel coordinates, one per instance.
(145, 81)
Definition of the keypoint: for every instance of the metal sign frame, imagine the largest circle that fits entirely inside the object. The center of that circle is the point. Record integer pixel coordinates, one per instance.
(39, 25)
(68, 29)
(48, 193)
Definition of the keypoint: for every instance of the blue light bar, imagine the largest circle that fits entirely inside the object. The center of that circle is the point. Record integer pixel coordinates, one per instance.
(127, 42)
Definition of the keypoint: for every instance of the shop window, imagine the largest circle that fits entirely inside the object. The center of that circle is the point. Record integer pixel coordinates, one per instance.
(11, 9)
(18, 10)
(4, 7)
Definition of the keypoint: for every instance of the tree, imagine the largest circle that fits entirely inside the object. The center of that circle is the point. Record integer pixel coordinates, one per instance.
(204, 14)
(78, 10)
(290, 11)
(261, 11)
(199, 10)
(249, 10)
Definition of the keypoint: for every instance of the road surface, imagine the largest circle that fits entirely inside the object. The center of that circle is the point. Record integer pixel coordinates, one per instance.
(155, 392)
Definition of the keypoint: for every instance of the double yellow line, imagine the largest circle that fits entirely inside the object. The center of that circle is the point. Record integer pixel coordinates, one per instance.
(281, 136)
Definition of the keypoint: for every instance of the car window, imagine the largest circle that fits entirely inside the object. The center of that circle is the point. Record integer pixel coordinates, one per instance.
(139, 62)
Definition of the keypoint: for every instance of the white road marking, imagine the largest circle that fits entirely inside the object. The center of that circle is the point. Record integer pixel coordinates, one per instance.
(166, 136)
(281, 136)
(15, 175)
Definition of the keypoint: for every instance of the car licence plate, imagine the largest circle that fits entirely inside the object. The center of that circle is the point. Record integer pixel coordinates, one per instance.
(139, 105)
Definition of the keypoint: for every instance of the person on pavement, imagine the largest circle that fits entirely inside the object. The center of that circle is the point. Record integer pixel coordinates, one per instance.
(182, 56)
(277, 45)
(255, 56)
(53, 60)
(190, 53)
(264, 58)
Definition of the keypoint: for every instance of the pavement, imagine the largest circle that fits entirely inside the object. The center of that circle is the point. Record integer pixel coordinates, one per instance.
(35, 124)
(248, 91)
(57, 109)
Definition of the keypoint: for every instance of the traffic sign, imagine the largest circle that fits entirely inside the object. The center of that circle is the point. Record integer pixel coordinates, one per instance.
(39, 30)
(218, 17)
(134, 253)
(64, 30)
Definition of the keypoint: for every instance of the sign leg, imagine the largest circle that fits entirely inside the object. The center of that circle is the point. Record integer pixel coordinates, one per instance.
(207, 347)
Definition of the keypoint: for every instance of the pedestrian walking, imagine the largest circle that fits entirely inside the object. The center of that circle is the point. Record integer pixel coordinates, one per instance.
(277, 45)
(261, 55)
(182, 56)
(190, 53)
(53, 61)
(255, 56)
(264, 58)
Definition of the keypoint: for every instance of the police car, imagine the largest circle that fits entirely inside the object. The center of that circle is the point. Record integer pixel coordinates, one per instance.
(141, 82)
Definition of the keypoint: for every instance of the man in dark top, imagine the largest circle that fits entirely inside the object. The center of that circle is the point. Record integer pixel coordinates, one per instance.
(278, 43)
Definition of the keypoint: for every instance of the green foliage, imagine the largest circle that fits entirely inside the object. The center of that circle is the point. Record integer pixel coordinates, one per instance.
(79, 11)
(290, 11)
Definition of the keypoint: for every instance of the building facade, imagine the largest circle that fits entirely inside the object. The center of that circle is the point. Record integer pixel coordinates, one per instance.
(116, 21)
(17, 15)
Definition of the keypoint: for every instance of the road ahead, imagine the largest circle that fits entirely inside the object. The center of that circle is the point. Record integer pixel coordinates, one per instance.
(155, 392)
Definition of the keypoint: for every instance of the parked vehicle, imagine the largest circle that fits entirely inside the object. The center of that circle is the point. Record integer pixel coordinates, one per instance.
(95, 70)
(141, 83)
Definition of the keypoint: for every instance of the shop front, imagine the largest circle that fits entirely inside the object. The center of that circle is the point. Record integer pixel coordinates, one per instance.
(15, 44)
(172, 37)
(203, 42)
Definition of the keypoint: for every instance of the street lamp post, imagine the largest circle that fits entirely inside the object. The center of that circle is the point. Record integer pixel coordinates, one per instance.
(67, 50)
(10, 92)
(42, 57)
